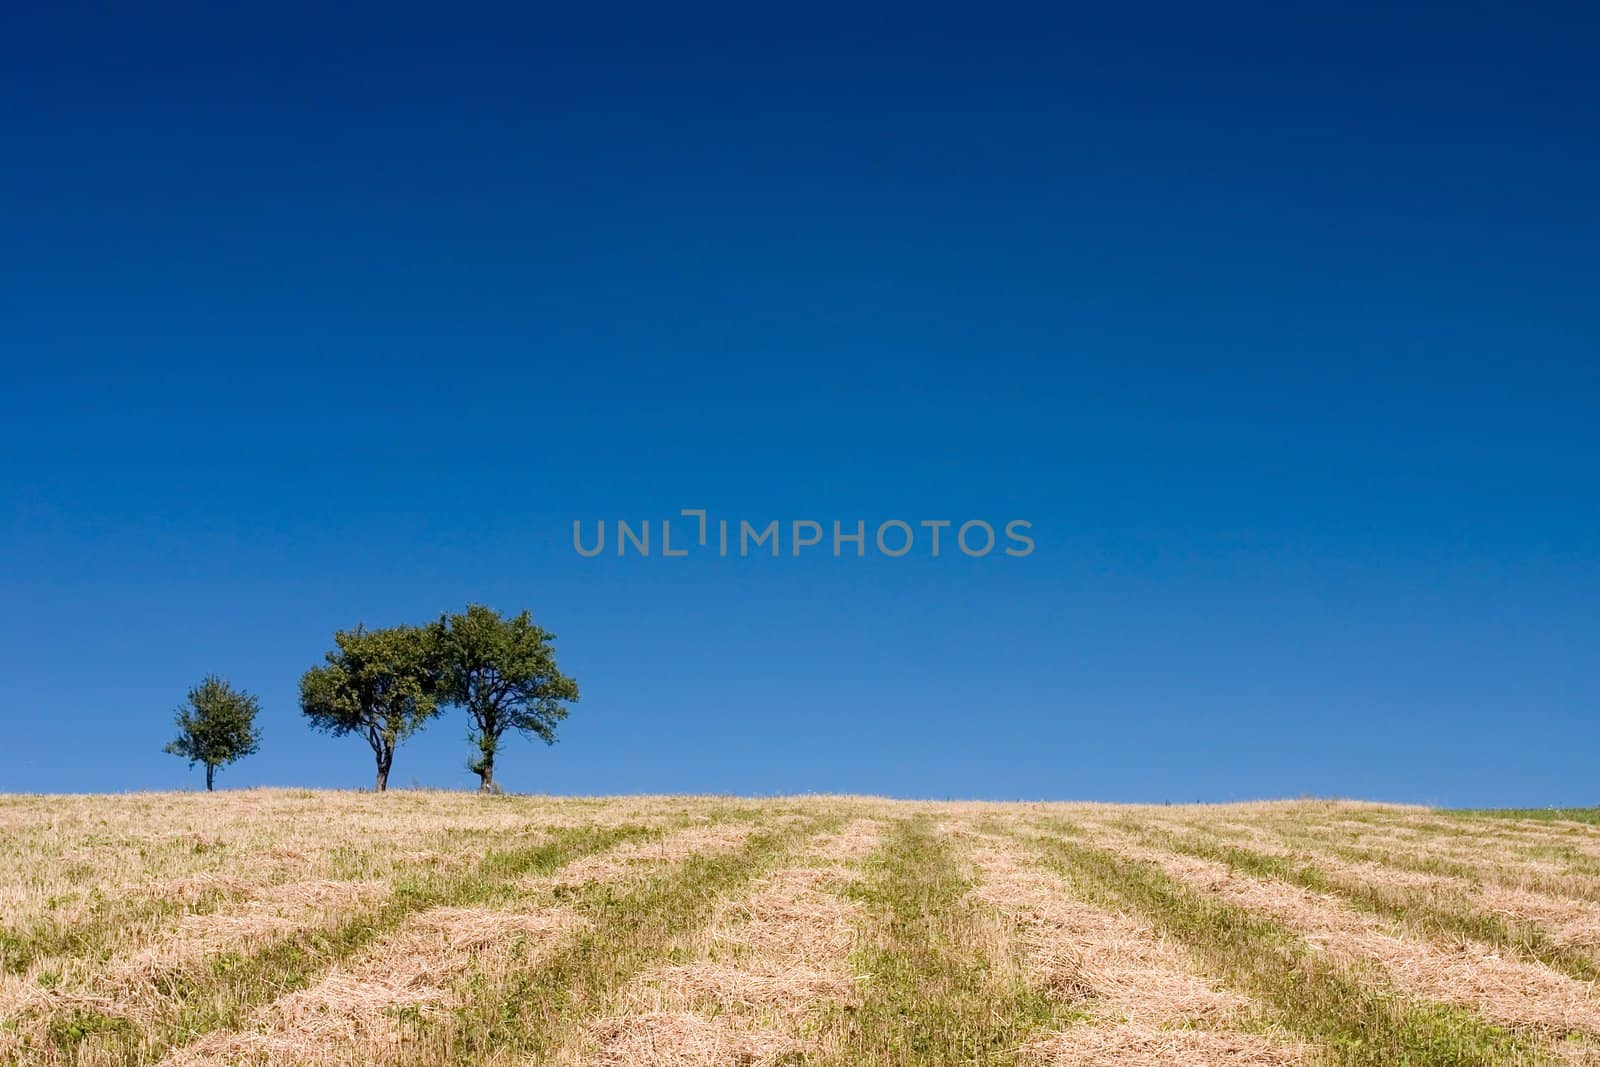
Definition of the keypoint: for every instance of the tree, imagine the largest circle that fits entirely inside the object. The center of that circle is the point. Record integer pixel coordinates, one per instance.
(503, 672)
(216, 726)
(381, 684)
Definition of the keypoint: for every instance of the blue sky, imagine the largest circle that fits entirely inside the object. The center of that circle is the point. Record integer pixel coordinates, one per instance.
(1279, 328)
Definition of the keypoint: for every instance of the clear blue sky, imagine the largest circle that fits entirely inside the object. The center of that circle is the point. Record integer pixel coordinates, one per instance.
(1280, 328)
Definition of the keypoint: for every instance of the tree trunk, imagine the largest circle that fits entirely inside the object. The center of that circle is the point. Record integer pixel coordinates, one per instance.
(385, 761)
(211, 777)
(486, 775)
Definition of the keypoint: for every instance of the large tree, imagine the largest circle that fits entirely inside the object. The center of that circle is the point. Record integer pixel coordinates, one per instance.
(216, 726)
(503, 672)
(380, 684)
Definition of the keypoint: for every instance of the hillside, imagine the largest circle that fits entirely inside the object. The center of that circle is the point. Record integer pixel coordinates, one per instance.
(296, 927)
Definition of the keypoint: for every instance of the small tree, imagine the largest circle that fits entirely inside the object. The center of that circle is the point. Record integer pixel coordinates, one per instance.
(216, 726)
(381, 684)
(503, 672)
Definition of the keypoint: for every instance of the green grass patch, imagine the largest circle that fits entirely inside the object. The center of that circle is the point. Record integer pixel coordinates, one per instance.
(69, 1031)
(936, 994)
(1583, 815)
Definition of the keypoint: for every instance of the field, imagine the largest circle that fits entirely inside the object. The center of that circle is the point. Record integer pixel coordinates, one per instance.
(293, 927)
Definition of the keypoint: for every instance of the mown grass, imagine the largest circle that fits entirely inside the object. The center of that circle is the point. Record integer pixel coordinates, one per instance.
(46, 936)
(941, 988)
(1420, 909)
(1417, 863)
(1583, 815)
(97, 867)
(940, 975)
(49, 934)
(221, 995)
(1578, 881)
(1502, 823)
(1580, 867)
(527, 1013)
(1350, 1011)
(1300, 835)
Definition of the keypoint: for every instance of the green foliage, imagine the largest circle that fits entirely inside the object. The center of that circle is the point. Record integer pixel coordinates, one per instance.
(380, 684)
(70, 1032)
(503, 672)
(216, 726)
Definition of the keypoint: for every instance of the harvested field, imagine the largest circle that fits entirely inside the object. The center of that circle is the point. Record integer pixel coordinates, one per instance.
(413, 928)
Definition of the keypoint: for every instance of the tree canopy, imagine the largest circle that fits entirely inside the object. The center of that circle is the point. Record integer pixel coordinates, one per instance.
(502, 671)
(216, 726)
(380, 684)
